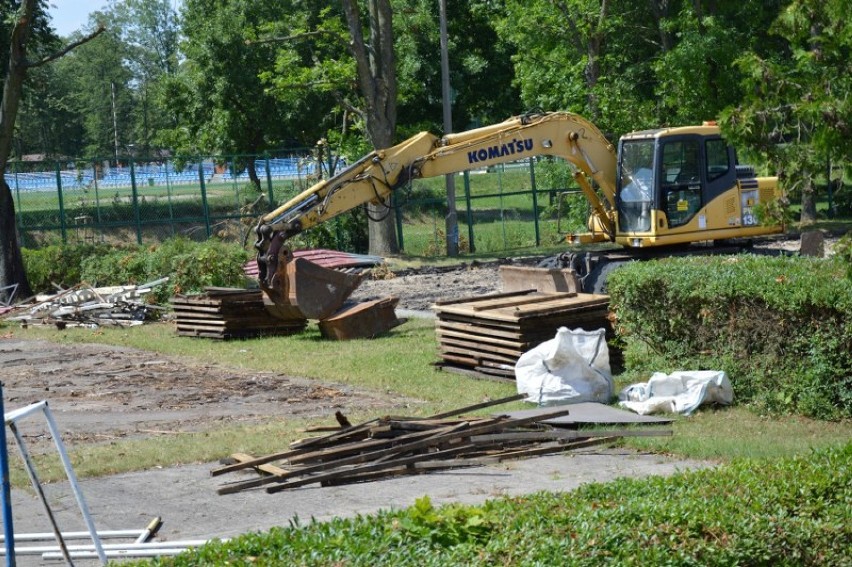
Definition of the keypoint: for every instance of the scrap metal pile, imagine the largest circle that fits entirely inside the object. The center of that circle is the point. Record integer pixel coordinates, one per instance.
(313, 284)
(393, 446)
(84, 305)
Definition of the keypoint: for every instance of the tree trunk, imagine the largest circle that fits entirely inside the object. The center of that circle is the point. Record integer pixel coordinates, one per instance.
(11, 261)
(376, 67)
(809, 214)
(252, 172)
(660, 10)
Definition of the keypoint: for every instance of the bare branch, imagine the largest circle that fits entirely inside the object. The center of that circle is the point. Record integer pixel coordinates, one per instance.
(67, 48)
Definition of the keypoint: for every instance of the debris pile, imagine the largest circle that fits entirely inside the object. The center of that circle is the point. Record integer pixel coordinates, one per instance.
(487, 335)
(230, 313)
(393, 446)
(84, 305)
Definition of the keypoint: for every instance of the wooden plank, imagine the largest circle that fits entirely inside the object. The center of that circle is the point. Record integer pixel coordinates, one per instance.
(487, 297)
(594, 413)
(512, 353)
(555, 447)
(549, 307)
(477, 329)
(521, 345)
(561, 434)
(449, 433)
(368, 468)
(266, 467)
(519, 302)
(478, 355)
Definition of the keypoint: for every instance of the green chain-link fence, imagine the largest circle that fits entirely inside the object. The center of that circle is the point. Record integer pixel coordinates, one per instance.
(147, 201)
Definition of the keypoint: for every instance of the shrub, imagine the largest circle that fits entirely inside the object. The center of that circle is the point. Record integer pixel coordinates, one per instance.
(780, 326)
(57, 265)
(190, 266)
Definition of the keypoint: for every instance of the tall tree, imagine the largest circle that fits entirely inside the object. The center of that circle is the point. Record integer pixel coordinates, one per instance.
(587, 56)
(220, 103)
(797, 106)
(101, 85)
(27, 18)
(375, 62)
(148, 30)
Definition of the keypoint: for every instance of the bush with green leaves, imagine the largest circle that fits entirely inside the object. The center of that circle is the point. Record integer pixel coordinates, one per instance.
(793, 511)
(190, 266)
(781, 327)
(58, 266)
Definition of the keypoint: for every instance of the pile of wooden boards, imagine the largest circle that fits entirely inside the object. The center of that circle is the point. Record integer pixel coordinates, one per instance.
(229, 313)
(487, 335)
(393, 446)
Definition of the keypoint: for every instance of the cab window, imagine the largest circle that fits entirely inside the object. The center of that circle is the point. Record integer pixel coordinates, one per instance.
(681, 186)
(718, 163)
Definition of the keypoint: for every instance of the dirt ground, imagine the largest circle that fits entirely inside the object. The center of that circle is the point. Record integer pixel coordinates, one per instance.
(101, 393)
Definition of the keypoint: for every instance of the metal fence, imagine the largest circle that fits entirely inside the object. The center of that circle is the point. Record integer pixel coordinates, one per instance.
(147, 201)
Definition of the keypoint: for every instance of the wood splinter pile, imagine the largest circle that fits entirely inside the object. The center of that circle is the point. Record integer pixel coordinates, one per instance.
(394, 446)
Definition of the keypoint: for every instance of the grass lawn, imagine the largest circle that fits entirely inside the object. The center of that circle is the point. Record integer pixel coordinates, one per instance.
(399, 363)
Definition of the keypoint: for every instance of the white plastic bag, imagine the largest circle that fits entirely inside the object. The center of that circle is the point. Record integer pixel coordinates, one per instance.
(679, 392)
(572, 367)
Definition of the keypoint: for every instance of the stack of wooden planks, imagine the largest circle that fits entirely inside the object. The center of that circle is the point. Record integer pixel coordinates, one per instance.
(486, 335)
(394, 446)
(228, 313)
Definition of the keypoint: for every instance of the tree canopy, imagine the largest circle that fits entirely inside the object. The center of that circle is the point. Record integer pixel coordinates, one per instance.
(239, 77)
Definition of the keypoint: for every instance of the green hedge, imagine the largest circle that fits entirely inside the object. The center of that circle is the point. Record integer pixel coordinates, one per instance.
(781, 327)
(190, 266)
(793, 511)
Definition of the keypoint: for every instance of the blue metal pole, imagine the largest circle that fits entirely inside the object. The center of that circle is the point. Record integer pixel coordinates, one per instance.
(6, 494)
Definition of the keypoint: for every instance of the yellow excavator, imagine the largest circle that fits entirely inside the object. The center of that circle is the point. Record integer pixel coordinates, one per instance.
(662, 187)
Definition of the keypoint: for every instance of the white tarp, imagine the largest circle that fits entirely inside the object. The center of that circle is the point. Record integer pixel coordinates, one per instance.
(569, 368)
(679, 392)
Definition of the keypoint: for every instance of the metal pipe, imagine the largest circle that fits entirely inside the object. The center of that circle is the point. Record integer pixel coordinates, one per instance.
(38, 536)
(17, 414)
(39, 549)
(152, 528)
(37, 486)
(6, 494)
(72, 478)
(118, 553)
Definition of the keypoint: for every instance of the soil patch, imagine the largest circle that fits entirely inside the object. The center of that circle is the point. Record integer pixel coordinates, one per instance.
(99, 392)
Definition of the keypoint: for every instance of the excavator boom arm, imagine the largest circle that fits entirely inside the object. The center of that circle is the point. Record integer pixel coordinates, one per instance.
(376, 175)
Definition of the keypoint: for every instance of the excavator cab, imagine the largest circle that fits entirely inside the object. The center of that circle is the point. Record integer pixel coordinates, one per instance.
(681, 185)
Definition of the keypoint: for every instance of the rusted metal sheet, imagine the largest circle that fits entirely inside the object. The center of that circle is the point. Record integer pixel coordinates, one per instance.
(361, 321)
(316, 291)
(591, 413)
(520, 278)
(331, 259)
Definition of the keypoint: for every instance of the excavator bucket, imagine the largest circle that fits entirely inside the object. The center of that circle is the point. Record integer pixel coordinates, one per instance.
(318, 292)
(301, 289)
(544, 280)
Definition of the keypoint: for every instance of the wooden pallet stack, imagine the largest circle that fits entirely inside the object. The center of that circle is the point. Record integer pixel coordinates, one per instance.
(485, 336)
(227, 313)
(394, 446)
